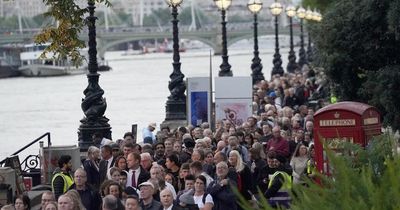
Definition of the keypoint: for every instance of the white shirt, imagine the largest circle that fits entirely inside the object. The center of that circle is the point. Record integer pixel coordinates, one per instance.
(169, 208)
(129, 178)
(199, 200)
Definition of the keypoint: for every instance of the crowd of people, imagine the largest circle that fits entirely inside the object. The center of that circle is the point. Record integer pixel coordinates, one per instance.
(197, 167)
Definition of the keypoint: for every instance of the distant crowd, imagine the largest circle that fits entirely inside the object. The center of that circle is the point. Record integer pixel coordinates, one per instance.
(198, 167)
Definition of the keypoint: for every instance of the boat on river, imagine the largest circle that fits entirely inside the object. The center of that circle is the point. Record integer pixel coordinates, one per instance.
(10, 60)
(34, 66)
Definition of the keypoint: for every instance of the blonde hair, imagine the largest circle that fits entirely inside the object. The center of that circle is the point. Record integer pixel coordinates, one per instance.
(75, 198)
(239, 163)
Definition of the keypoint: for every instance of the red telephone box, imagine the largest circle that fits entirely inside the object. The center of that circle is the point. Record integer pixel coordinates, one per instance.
(344, 121)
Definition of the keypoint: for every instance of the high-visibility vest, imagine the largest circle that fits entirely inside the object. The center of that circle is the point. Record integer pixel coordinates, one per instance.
(68, 181)
(282, 197)
(310, 168)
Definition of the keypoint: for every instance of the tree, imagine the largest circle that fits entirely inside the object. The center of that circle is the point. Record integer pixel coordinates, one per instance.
(360, 179)
(64, 39)
(361, 39)
(322, 5)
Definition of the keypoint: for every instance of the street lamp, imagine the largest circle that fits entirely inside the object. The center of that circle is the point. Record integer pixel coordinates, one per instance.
(301, 13)
(225, 67)
(309, 17)
(276, 9)
(292, 65)
(93, 105)
(255, 6)
(176, 103)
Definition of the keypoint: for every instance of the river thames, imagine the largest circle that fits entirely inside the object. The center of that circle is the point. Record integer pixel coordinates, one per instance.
(136, 91)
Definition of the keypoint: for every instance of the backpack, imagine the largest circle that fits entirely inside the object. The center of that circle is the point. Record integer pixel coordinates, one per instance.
(204, 198)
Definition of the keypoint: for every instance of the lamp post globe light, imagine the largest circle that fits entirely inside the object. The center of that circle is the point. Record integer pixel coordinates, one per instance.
(292, 65)
(276, 9)
(93, 105)
(255, 7)
(309, 17)
(176, 103)
(301, 13)
(225, 67)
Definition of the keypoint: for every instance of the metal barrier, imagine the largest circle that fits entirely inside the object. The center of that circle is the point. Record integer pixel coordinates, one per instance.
(31, 161)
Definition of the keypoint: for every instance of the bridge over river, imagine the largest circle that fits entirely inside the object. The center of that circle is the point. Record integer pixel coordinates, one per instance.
(210, 35)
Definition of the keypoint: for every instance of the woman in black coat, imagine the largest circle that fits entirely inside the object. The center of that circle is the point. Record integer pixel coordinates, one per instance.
(244, 182)
(91, 166)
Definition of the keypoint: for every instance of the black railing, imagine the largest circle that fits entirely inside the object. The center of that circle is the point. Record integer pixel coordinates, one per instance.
(31, 161)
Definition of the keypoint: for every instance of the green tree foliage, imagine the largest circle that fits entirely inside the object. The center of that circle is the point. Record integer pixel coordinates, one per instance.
(360, 37)
(322, 5)
(64, 39)
(382, 87)
(361, 179)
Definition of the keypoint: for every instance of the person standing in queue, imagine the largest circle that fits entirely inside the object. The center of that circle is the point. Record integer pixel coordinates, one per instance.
(280, 185)
(62, 180)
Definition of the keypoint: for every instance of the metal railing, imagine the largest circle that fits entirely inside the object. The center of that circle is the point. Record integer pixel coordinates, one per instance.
(31, 161)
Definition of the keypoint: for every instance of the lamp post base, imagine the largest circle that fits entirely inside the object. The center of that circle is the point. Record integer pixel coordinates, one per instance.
(86, 132)
(175, 114)
(175, 110)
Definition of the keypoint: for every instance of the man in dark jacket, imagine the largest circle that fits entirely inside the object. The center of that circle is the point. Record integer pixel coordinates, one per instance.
(220, 189)
(106, 162)
(167, 200)
(90, 198)
(136, 173)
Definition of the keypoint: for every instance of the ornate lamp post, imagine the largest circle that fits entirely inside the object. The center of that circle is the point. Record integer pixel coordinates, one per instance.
(301, 13)
(93, 105)
(276, 9)
(176, 103)
(255, 6)
(225, 67)
(309, 17)
(292, 65)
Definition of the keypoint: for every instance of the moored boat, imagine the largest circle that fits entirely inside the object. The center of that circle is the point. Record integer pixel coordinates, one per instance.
(34, 66)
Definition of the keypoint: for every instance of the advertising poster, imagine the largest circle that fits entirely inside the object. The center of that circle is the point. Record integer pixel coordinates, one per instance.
(233, 99)
(199, 108)
(235, 110)
(198, 100)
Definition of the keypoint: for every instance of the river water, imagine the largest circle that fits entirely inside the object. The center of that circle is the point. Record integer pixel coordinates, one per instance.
(136, 91)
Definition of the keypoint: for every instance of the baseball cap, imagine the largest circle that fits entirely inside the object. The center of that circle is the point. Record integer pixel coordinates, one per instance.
(153, 125)
(147, 184)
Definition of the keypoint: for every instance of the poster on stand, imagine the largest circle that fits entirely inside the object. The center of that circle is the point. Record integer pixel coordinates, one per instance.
(233, 99)
(234, 110)
(198, 100)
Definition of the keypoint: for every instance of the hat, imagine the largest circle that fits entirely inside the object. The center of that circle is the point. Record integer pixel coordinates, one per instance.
(147, 184)
(153, 125)
(115, 146)
(281, 159)
(186, 198)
